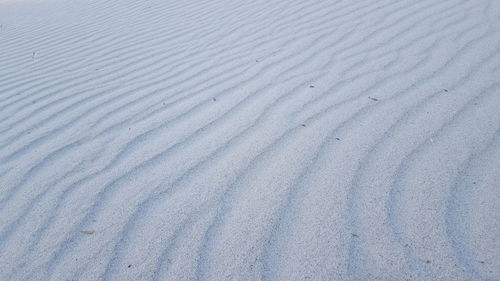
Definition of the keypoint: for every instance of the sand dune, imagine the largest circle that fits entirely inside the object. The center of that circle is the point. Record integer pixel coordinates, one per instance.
(250, 140)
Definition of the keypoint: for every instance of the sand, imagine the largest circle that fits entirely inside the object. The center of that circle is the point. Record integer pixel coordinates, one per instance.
(250, 140)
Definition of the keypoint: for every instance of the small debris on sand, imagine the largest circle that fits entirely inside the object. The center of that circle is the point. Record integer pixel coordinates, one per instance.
(88, 232)
(373, 99)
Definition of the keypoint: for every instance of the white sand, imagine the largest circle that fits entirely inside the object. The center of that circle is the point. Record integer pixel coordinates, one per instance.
(249, 140)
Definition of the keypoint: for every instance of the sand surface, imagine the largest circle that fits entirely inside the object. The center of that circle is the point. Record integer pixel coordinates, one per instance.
(249, 140)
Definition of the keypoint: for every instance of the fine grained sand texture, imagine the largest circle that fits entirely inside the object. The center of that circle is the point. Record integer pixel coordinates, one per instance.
(249, 140)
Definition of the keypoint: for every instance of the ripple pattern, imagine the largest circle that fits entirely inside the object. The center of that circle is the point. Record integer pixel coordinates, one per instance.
(250, 140)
